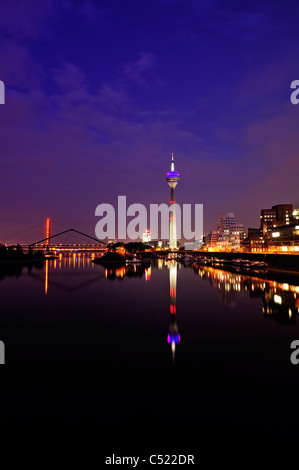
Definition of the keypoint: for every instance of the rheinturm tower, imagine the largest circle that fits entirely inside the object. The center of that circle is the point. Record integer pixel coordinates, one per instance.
(172, 178)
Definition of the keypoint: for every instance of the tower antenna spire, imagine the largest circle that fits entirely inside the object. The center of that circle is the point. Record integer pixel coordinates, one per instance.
(172, 162)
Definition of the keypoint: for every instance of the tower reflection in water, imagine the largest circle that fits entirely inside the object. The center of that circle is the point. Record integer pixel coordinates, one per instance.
(72, 261)
(173, 337)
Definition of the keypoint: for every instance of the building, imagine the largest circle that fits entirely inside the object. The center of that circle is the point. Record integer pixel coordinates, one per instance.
(224, 223)
(284, 238)
(146, 236)
(257, 244)
(295, 215)
(267, 217)
(228, 236)
(254, 232)
(278, 230)
(281, 214)
(284, 213)
(172, 178)
(212, 238)
(236, 236)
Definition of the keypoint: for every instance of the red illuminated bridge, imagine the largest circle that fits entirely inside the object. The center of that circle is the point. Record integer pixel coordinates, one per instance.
(44, 244)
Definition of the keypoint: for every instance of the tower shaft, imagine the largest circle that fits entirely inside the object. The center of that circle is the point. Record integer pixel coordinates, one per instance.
(172, 219)
(172, 179)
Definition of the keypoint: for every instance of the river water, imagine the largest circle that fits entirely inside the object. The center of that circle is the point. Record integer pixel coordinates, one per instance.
(162, 357)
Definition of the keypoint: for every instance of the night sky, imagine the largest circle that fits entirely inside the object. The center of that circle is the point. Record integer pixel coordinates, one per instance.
(100, 93)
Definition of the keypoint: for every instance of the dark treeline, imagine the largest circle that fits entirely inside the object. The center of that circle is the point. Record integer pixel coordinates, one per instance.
(16, 253)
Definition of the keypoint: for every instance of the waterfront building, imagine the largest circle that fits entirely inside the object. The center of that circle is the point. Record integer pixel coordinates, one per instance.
(257, 244)
(284, 238)
(254, 232)
(229, 234)
(236, 236)
(267, 217)
(278, 230)
(295, 215)
(224, 224)
(284, 213)
(212, 238)
(281, 214)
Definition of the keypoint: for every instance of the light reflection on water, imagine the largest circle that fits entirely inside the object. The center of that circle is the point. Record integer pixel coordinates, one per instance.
(119, 286)
(119, 329)
(280, 299)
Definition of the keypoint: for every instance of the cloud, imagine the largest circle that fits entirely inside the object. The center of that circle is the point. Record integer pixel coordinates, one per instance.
(68, 77)
(141, 69)
(18, 68)
(112, 99)
(24, 20)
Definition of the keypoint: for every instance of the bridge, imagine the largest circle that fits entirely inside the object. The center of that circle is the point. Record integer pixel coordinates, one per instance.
(44, 244)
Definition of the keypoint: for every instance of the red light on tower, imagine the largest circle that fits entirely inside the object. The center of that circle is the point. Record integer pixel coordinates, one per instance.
(48, 223)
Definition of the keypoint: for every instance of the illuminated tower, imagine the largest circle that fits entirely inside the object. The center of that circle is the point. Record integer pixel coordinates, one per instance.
(172, 178)
(173, 337)
(48, 225)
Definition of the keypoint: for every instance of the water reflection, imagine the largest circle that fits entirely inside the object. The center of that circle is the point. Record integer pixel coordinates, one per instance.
(279, 297)
(173, 337)
(66, 263)
(280, 300)
(148, 272)
(47, 276)
(144, 269)
(131, 270)
(16, 270)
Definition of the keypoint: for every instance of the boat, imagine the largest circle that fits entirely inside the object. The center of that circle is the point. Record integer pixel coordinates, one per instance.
(259, 265)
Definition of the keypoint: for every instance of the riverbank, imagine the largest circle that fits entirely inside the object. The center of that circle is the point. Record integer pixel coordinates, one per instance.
(273, 261)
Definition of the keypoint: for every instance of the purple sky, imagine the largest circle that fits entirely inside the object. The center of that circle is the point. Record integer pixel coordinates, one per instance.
(100, 93)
